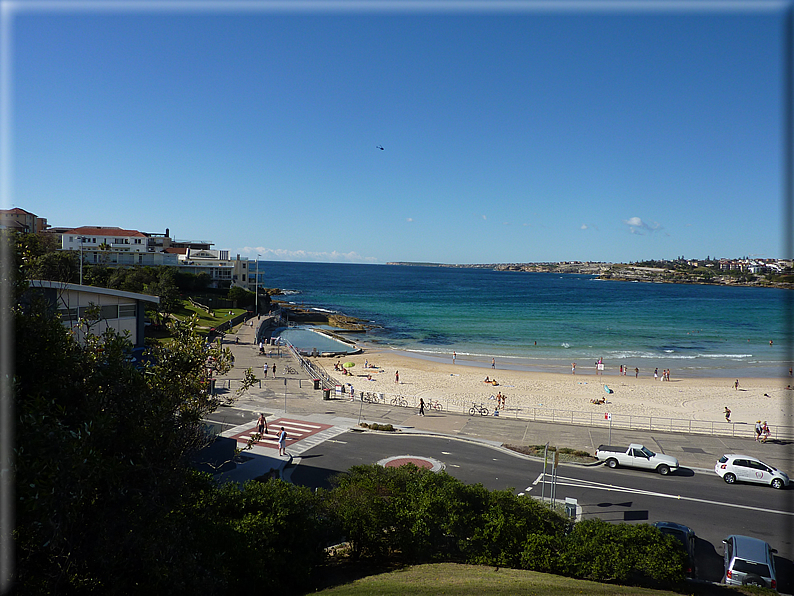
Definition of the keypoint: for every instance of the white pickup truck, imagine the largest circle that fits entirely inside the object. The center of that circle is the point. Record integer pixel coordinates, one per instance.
(636, 456)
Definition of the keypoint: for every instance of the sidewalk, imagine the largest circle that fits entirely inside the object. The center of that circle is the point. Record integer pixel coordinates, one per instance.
(296, 400)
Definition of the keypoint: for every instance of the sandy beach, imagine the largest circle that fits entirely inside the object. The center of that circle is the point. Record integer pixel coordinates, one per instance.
(458, 385)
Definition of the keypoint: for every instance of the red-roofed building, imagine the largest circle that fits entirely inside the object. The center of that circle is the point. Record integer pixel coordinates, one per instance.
(22, 221)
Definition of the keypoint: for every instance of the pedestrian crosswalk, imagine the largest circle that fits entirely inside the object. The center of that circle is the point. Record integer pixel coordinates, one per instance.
(297, 430)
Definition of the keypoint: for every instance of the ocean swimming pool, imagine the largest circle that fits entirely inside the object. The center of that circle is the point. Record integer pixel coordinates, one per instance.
(307, 340)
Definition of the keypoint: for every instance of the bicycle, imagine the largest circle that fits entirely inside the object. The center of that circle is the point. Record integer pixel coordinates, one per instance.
(478, 409)
(291, 371)
(399, 401)
(370, 398)
(435, 405)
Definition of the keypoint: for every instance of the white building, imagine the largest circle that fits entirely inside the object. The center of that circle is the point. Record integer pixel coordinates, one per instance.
(115, 309)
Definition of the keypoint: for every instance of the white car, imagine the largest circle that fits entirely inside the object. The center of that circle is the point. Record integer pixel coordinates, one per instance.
(745, 468)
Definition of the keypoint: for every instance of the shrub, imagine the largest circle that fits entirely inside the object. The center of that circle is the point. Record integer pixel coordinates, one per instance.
(627, 554)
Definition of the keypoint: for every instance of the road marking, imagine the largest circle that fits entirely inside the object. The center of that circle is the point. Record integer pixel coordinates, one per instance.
(538, 479)
(574, 482)
(446, 453)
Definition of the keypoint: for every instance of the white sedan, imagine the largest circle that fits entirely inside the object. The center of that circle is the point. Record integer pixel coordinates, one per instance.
(745, 468)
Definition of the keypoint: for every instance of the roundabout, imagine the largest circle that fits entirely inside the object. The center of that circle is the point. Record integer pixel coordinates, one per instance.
(419, 461)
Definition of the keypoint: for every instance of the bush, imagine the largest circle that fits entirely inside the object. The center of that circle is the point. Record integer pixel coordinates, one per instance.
(626, 554)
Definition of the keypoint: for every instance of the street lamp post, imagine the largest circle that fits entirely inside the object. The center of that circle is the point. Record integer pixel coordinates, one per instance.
(256, 287)
(81, 238)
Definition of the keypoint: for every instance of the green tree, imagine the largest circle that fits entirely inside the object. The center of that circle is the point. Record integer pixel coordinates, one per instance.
(102, 458)
(240, 296)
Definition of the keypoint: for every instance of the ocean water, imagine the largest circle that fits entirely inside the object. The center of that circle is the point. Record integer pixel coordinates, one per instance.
(546, 321)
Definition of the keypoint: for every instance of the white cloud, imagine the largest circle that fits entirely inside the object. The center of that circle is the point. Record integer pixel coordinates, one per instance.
(637, 226)
(485, 218)
(282, 254)
(584, 227)
(409, 219)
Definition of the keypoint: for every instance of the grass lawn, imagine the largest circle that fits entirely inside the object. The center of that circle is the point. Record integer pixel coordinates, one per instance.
(464, 580)
(205, 320)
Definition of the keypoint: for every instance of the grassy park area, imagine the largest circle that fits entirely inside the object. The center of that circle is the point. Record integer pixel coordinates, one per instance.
(476, 580)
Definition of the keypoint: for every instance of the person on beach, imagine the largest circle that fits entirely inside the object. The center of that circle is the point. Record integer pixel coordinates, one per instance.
(727, 414)
(736, 385)
(655, 374)
(573, 368)
(421, 407)
(493, 362)
(397, 376)
(274, 370)
(636, 372)
(264, 368)
(454, 355)
(282, 442)
(758, 429)
(498, 399)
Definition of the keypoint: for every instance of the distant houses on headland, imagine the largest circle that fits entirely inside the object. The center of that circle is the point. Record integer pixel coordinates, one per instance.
(744, 271)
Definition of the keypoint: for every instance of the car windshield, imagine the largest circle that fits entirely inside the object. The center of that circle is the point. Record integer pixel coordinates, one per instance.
(751, 567)
(723, 459)
(648, 453)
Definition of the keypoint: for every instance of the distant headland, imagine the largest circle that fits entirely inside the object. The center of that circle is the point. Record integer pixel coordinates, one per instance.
(775, 273)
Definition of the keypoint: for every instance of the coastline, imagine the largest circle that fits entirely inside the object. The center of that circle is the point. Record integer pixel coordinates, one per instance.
(461, 384)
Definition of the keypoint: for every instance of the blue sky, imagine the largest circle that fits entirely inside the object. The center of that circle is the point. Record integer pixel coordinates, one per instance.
(581, 132)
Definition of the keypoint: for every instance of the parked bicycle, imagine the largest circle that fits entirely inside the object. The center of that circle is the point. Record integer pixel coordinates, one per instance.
(399, 401)
(370, 398)
(478, 409)
(291, 371)
(435, 405)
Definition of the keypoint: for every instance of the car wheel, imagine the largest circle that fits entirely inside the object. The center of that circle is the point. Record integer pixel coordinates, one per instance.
(729, 478)
(664, 470)
(777, 483)
(612, 462)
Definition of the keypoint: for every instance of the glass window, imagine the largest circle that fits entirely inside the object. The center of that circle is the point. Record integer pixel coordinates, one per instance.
(110, 311)
(126, 311)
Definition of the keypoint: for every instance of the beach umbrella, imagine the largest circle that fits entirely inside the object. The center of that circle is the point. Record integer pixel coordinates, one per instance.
(349, 364)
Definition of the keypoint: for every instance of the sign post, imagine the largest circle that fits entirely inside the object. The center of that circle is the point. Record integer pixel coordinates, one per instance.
(608, 416)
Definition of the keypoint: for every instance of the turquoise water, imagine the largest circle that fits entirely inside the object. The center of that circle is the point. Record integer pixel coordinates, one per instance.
(541, 321)
(306, 340)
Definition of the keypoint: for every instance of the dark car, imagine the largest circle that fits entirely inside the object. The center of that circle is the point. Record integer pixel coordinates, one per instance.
(686, 536)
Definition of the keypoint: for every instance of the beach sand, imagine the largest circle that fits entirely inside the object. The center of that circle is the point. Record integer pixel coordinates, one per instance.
(456, 386)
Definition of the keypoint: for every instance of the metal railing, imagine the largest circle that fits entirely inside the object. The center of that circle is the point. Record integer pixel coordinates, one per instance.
(581, 418)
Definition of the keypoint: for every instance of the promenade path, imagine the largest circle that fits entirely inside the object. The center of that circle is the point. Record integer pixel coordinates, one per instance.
(292, 399)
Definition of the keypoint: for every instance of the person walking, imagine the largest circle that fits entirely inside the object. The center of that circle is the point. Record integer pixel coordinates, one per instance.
(264, 368)
(727, 414)
(421, 407)
(454, 355)
(736, 385)
(758, 429)
(493, 362)
(282, 442)
(765, 432)
(274, 370)
(397, 376)
(636, 372)
(573, 368)
(261, 424)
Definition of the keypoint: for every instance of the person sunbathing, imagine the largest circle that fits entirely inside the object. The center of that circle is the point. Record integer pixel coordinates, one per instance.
(487, 380)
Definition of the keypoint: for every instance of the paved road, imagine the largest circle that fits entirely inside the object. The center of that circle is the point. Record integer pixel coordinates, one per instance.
(467, 446)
